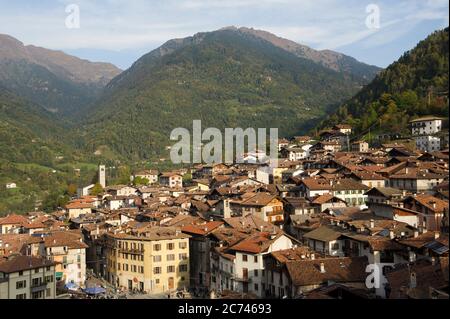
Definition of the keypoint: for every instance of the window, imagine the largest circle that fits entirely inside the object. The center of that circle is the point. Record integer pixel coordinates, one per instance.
(48, 268)
(170, 269)
(171, 257)
(157, 258)
(256, 287)
(157, 247)
(21, 284)
(36, 295)
(21, 273)
(157, 270)
(170, 246)
(21, 296)
(36, 282)
(36, 271)
(255, 259)
(244, 257)
(183, 268)
(255, 272)
(183, 256)
(48, 279)
(182, 245)
(335, 246)
(157, 281)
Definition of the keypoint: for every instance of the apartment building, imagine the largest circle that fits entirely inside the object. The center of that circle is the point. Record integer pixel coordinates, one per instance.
(153, 261)
(68, 250)
(26, 277)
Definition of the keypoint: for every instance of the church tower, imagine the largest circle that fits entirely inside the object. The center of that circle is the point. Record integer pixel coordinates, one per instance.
(102, 175)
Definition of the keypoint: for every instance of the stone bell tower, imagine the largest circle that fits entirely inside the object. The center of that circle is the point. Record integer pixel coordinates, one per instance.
(102, 175)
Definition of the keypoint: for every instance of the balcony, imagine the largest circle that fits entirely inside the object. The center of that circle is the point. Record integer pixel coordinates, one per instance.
(131, 251)
(38, 287)
(242, 279)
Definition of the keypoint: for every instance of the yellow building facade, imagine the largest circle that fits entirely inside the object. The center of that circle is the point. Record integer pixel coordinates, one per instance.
(156, 261)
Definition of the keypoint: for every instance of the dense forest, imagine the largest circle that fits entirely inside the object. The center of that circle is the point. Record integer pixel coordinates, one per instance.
(226, 79)
(415, 85)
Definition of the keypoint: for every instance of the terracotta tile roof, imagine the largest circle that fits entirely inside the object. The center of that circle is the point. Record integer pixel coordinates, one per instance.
(419, 241)
(202, 229)
(71, 240)
(348, 184)
(78, 205)
(257, 242)
(434, 204)
(427, 276)
(259, 199)
(366, 175)
(316, 184)
(322, 199)
(248, 223)
(14, 219)
(16, 243)
(387, 192)
(308, 272)
(228, 236)
(324, 233)
(299, 253)
(147, 172)
(415, 173)
(21, 263)
(150, 232)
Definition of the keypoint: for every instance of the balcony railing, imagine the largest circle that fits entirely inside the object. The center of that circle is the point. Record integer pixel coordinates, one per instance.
(38, 287)
(242, 279)
(131, 251)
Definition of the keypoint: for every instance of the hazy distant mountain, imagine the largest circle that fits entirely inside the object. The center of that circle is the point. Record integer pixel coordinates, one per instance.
(227, 78)
(57, 81)
(330, 59)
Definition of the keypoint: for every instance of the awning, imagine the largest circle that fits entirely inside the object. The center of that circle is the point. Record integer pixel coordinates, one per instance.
(71, 286)
(95, 290)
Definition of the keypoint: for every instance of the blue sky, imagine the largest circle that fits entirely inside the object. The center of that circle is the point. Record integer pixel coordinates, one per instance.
(120, 31)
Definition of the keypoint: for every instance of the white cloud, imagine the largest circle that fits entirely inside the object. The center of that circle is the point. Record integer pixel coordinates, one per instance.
(121, 25)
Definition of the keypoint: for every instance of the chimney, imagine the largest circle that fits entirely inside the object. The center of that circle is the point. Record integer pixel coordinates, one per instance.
(372, 223)
(322, 267)
(412, 280)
